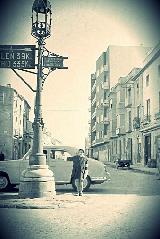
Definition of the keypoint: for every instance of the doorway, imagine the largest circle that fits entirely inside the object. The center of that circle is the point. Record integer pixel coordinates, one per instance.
(147, 148)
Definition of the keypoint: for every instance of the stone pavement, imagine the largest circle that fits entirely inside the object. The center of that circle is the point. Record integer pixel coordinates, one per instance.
(8, 200)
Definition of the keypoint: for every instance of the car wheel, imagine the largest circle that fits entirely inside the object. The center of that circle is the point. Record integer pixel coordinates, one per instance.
(4, 182)
(86, 184)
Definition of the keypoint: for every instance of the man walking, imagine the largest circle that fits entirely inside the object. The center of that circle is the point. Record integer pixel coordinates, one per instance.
(80, 170)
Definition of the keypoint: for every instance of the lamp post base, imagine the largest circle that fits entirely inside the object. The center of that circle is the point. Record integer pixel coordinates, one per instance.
(37, 181)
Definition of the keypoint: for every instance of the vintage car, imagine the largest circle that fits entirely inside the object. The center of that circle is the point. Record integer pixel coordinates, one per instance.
(59, 159)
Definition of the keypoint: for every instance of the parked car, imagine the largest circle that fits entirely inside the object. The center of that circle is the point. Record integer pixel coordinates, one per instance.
(59, 159)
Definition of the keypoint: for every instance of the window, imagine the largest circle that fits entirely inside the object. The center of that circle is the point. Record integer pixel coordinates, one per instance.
(111, 104)
(101, 134)
(105, 129)
(148, 107)
(137, 88)
(147, 80)
(129, 120)
(105, 112)
(129, 96)
(138, 111)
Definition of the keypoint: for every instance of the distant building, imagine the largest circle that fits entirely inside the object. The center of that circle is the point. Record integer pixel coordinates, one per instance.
(116, 62)
(133, 113)
(15, 127)
(151, 103)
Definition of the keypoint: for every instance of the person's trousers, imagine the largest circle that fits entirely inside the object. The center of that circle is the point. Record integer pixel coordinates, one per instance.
(79, 185)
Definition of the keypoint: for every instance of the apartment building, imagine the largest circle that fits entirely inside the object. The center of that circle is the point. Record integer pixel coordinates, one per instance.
(110, 66)
(15, 138)
(151, 102)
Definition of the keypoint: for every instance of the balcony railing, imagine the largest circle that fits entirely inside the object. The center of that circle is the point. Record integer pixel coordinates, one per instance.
(94, 127)
(128, 103)
(105, 86)
(119, 131)
(106, 138)
(157, 115)
(146, 119)
(129, 129)
(105, 67)
(106, 120)
(136, 123)
(106, 103)
(94, 87)
(93, 101)
(94, 115)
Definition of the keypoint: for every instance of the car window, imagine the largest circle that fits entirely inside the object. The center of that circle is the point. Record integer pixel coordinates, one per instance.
(59, 155)
(52, 154)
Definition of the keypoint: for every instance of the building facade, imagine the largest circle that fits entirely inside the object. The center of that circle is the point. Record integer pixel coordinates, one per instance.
(15, 127)
(110, 66)
(151, 102)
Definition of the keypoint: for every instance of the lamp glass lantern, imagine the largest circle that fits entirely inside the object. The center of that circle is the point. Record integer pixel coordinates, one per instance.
(41, 19)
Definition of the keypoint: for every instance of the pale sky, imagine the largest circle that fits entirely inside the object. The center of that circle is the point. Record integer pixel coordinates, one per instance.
(81, 30)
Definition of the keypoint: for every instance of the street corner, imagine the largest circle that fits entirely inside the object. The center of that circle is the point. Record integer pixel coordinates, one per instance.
(67, 200)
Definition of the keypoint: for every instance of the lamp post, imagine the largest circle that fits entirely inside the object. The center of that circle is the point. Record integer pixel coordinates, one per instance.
(37, 180)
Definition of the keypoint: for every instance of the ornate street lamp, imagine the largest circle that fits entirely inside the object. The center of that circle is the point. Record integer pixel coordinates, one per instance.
(38, 180)
(41, 19)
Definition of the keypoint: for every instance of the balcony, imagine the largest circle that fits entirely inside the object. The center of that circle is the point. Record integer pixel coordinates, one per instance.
(105, 86)
(146, 119)
(93, 142)
(93, 77)
(94, 114)
(136, 123)
(128, 103)
(105, 68)
(93, 101)
(113, 134)
(106, 138)
(93, 87)
(106, 120)
(129, 129)
(94, 127)
(119, 131)
(157, 115)
(106, 103)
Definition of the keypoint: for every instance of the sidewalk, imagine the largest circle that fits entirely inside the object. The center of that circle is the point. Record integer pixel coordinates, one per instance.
(137, 168)
(67, 200)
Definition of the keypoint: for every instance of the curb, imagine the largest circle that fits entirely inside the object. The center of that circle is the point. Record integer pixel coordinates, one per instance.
(138, 170)
(42, 203)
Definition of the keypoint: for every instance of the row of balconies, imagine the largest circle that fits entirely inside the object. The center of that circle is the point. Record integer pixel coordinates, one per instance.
(122, 130)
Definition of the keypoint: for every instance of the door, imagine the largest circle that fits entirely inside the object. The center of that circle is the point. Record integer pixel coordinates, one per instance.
(147, 148)
(129, 149)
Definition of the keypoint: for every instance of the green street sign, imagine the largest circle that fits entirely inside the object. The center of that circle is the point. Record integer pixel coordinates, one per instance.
(53, 62)
(17, 56)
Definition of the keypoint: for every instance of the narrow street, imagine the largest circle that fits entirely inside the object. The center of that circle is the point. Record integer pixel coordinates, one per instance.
(126, 207)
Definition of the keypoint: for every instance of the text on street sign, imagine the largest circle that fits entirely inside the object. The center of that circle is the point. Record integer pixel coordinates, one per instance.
(17, 56)
(55, 62)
